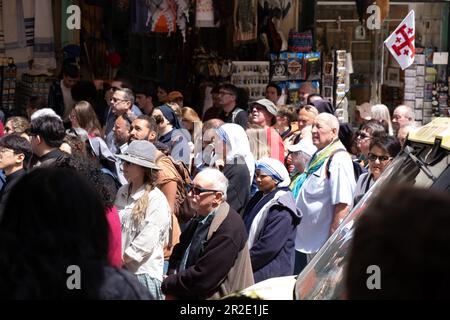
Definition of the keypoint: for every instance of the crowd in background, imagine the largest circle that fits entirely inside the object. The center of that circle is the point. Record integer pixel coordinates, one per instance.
(155, 201)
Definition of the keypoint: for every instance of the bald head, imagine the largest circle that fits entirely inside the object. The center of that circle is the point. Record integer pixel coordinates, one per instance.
(329, 120)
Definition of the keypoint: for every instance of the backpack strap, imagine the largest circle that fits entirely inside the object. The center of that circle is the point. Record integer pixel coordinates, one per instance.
(221, 215)
(327, 167)
(235, 113)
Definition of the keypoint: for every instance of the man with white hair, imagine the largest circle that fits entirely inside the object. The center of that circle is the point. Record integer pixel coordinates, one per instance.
(325, 189)
(403, 116)
(212, 258)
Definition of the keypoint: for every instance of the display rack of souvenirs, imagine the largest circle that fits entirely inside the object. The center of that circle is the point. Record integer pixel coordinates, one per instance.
(33, 85)
(341, 73)
(8, 81)
(209, 65)
(290, 69)
(252, 76)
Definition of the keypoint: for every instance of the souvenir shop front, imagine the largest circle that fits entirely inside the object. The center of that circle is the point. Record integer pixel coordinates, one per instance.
(370, 72)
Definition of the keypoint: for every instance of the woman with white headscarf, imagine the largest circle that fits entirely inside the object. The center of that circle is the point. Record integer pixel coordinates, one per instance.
(271, 218)
(234, 158)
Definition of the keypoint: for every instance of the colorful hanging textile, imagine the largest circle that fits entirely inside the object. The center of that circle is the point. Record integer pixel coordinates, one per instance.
(245, 20)
(44, 46)
(204, 14)
(15, 41)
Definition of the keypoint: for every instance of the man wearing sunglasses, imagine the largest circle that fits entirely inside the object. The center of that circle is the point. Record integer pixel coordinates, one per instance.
(212, 258)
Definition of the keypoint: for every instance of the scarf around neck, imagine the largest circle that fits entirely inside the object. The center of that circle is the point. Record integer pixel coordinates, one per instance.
(314, 164)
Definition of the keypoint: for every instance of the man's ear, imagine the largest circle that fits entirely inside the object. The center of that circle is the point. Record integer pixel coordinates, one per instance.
(152, 136)
(20, 158)
(218, 198)
(39, 139)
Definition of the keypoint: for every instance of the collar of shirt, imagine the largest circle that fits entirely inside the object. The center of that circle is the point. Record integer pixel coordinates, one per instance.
(135, 196)
(209, 216)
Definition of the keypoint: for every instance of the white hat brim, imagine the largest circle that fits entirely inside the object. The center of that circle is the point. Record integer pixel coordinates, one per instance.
(138, 161)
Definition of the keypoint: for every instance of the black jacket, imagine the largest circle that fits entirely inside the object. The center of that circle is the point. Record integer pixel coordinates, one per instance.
(11, 180)
(217, 256)
(56, 98)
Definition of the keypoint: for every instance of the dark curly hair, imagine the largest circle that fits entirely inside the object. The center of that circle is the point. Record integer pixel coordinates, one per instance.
(53, 219)
(91, 171)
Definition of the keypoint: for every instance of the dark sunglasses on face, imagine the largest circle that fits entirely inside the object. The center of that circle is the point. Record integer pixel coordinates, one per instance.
(374, 157)
(198, 190)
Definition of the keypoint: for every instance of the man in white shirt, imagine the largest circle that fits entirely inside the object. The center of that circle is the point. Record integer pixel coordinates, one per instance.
(327, 193)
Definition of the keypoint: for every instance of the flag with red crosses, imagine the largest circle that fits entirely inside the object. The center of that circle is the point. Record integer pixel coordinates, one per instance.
(401, 42)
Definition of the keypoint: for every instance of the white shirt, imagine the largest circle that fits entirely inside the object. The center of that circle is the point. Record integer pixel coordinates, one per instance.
(317, 198)
(145, 244)
(69, 103)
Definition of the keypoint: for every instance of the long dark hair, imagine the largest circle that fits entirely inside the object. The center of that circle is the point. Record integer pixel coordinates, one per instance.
(53, 219)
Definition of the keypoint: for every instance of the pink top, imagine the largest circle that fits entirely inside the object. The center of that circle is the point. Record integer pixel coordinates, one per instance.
(115, 238)
(276, 144)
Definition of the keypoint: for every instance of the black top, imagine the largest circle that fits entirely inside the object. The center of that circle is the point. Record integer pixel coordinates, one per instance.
(238, 191)
(51, 157)
(11, 180)
(240, 118)
(56, 98)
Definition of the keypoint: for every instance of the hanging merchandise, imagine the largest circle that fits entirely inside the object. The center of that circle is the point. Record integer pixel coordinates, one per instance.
(278, 66)
(300, 41)
(312, 66)
(295, 66)
(44, 45)
(277, 8)
(245, 21)
(223, 12)
(252, 76)
(15, 39)
(161, 16)
(204, 14)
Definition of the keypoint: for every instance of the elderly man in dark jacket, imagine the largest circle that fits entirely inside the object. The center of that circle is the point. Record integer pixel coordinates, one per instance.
(212, 258)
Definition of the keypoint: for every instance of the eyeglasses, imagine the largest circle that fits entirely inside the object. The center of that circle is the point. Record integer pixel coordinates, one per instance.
(198, 190)
(5, 150)
(374, 157)
(114, 100)
(363, 135)
(114, 89)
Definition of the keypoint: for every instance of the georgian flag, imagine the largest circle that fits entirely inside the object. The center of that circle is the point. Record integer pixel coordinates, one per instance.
(401, 42)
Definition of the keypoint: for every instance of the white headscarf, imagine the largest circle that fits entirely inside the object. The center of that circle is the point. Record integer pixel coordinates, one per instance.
(275, 169)
(236, 138)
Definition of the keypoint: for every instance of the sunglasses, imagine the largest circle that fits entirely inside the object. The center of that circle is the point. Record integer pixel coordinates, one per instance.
(374, 157)
(198, 190)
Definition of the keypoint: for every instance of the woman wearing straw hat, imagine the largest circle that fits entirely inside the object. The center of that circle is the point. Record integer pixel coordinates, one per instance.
(145, 216)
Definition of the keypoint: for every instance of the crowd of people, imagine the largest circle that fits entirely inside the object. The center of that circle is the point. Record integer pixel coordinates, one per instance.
(155, 204)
